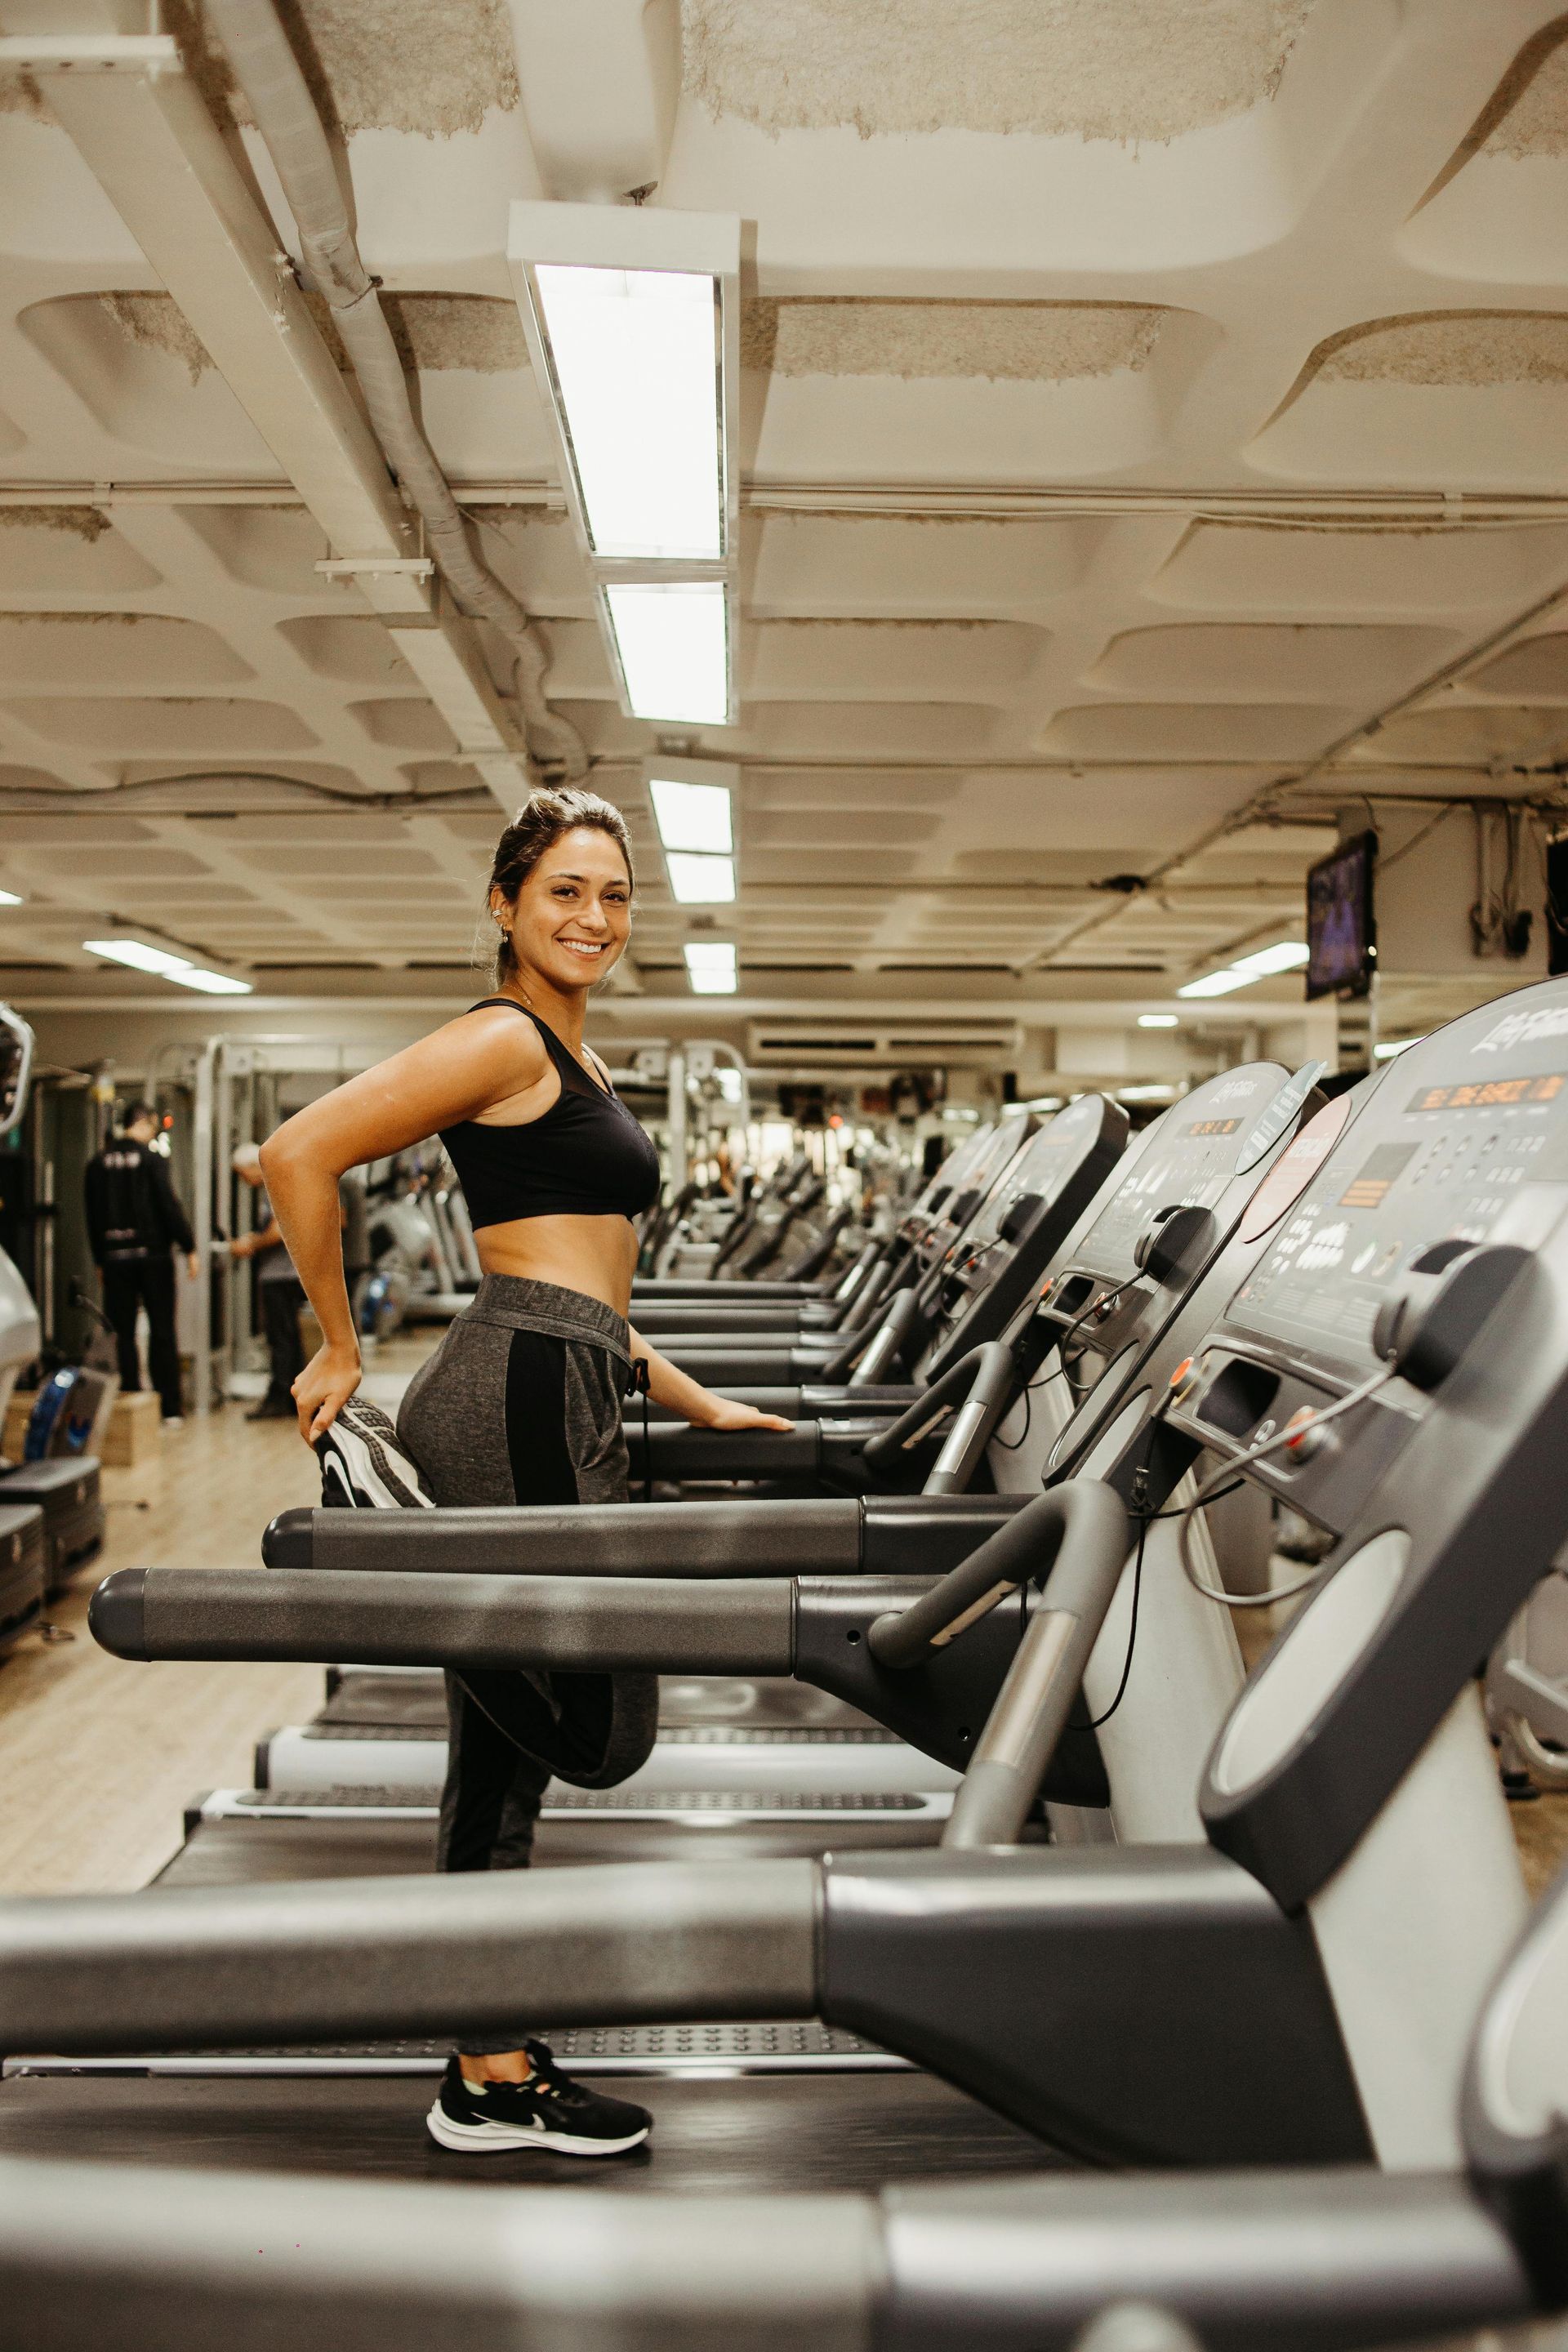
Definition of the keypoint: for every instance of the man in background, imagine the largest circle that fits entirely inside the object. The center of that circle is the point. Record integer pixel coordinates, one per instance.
(134, 1224)
(280, 1295)
(279, 1292)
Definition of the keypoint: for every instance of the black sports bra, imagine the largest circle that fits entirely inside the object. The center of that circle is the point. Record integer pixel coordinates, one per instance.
(584, 1157)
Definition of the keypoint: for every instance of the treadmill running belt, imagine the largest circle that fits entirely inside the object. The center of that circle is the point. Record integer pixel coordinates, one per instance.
(763, 2049)
(305, 1803)
(702, 1734)
(364, 1696)
(266, 1850)
(763, 2132)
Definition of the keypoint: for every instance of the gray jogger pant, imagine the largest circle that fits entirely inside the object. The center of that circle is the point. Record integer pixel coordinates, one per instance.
(521, 1404)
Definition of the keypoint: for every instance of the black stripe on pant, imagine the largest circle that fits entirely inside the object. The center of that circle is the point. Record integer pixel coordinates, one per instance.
(500, 1720)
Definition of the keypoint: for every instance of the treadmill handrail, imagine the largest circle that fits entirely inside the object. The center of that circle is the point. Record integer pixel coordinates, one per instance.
(986, 1378)
(870, 1359)
(1072, 1533)
(1022, 1731)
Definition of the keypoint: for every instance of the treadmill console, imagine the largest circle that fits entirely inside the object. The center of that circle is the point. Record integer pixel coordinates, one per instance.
(1201, 1158)
(1463, 1140)
(1189, 1164)
(950, 1177)
(961, 1203)
(990, 1273)
(1040, 1173)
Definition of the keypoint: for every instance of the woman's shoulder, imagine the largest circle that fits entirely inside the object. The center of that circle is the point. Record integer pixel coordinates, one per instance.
(492, 1032)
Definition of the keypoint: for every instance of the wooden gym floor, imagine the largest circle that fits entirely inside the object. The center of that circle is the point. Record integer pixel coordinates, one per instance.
(98, 1757)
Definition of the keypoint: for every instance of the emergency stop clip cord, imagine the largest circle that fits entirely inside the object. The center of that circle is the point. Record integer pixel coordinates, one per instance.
(1205, 1492)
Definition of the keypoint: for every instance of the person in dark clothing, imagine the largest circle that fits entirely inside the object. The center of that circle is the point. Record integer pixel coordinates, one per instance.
(280, 1295)
(134, 1224)
(280, 1292)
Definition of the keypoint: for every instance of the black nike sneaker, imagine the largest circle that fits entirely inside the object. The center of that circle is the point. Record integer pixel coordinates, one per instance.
(549, 2111)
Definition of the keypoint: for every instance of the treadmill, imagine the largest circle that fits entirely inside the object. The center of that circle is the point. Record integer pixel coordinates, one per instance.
(826, 1332)
(765, 1735)
(928, 1533)
(972, 1292)
(1321, 2259)
(874, 1259)
(1175, 1201)
(1299, 1983)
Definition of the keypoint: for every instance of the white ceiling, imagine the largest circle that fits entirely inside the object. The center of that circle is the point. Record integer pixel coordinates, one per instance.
(1145, 397)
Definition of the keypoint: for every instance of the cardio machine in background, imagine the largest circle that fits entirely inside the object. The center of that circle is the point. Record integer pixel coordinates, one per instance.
(1065, 1274)
(51, 1504)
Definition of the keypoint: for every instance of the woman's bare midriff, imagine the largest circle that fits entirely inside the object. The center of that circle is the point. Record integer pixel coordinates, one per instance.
(596, 1255)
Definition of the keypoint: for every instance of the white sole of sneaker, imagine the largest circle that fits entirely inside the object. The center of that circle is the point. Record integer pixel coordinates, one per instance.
(359, 1437)
(485, 2139)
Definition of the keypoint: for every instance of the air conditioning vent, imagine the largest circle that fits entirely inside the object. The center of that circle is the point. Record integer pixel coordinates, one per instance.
(880, 1041)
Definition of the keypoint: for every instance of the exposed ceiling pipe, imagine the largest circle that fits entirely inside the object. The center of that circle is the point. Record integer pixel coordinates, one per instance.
(268, 73)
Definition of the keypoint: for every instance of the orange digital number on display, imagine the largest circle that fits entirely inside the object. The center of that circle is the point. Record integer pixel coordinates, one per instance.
(1491, 1095)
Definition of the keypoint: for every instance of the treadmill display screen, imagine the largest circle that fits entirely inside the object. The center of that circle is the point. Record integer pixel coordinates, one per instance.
(1043, 1166)
(1187, 1161)
(1475, 1153)
(978, 1175)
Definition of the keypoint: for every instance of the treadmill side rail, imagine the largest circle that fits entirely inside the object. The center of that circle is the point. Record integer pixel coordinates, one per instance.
(403, 1957)
(1141, 2005)
(1296, 2261)
(604, 1624)
(812, 1536)
(1304, 2262)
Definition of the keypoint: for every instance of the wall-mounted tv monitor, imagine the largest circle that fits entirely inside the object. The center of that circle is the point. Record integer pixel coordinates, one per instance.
(1342, 934)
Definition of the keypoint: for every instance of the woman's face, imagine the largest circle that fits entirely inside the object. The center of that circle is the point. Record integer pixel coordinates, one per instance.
(573, 913)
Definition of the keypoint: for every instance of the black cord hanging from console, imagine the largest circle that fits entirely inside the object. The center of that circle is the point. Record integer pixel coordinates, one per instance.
(638, 1385)
(1140, 1497)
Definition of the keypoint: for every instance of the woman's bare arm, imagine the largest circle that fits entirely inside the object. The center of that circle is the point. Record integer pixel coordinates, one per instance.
(459, 1070)
(668, 1384)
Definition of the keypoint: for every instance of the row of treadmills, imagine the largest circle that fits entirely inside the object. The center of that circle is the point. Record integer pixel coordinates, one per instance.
(992, 1947)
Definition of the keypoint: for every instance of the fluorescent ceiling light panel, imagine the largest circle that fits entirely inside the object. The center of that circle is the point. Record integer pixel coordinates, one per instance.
(635, 360)
(700, 881)
(711, 967)
(1220, 983)
(142, 955)
(1157, 1020)
(211, 984)
(9, 899)
(692, 816)
(1285, 955)
(673, 642)
(632, 315)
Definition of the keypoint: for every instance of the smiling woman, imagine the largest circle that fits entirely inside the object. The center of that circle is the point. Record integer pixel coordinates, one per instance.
(521, 1402)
